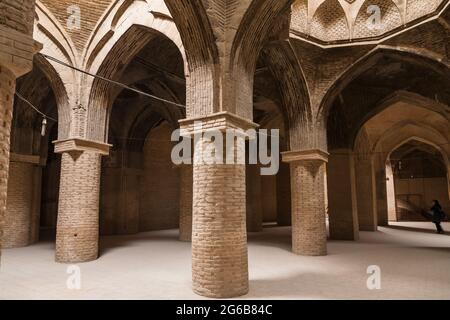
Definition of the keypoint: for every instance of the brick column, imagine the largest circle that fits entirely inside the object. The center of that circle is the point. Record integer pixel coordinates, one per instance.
(186, 185)
(7, 88)
(366, 195)
(77, 231)
(21, 209)
(309, 233)
(36, 203)
(17, 49)
(390, 193)
(381, 192)
(219, 236)
(284, 196)
(342, 203)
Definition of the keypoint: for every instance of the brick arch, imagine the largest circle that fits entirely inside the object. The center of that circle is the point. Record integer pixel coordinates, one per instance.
(119, 20)
(382, 144)
(406, 131)
(137, 128)
(112, 67)
(374, 148)
(329, 22)
(91, 12)
(434, 61)
(414, 99)
(433, 143)
(424, 135)
(286, 69)
(142, 126)
(56, 43)
(60, 93)
(36, 88)
(202, 56)
(399, 126)
(391, 18)
(262, 21)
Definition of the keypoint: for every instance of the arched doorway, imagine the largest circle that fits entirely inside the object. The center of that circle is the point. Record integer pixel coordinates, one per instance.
(140, 186)
(34, 169)
(418, 176)
(384, 101)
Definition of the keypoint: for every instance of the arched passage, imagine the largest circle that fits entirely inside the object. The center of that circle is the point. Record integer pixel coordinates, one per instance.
(34, 169)
(140, 186)
(359, 122)
(419, 174)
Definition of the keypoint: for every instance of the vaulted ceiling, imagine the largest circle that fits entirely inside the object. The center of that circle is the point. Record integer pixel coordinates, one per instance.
(90, 11)
(334, 21)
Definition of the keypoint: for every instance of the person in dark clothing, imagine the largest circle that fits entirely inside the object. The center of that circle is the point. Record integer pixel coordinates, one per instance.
(437, 215)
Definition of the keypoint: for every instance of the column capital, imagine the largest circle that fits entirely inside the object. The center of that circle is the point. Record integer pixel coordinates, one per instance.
(17, 51)
(305, 155)
(81, 145)
(217, 121)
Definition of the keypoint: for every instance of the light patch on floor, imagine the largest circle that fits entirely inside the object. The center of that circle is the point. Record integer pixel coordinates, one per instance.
(414, 262)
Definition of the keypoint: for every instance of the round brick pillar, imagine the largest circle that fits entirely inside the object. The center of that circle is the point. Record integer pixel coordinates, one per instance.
(219, 235)
(309, 233)
(186, 184)
(7, 89)
(78, 211)
(19, 215)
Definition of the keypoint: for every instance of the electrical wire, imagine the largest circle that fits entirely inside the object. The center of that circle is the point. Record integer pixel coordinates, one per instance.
(35, 108)
(126, 87)
(119, 84)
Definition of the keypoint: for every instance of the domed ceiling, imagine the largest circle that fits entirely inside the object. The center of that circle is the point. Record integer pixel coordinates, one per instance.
(340, 21)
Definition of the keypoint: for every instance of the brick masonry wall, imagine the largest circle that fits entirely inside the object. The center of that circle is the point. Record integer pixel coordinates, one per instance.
(18, 218)
(269, 198)
(36, 204)
(17, 15)
(78, 211)
(219, 237)
(254, 198)
(309, 235)
(50, 193)
(366, 195)
(7, 88)
(186, 182)
(284, 196)
(343, 211)
(91, 11)
(119, 211)
(160, 190)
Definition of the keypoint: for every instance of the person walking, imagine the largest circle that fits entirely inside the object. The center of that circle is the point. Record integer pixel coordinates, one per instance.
(437, 215)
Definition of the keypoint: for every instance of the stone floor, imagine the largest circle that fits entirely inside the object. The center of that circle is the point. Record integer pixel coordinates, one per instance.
(414, 262)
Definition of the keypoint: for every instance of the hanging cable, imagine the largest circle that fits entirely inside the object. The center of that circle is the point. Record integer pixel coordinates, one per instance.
(44, 116)
(124, 86)
(35, 108)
